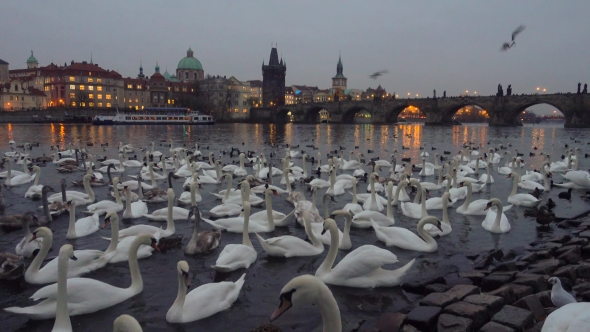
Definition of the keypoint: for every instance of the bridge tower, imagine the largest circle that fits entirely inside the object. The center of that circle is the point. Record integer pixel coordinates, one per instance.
(273, 80)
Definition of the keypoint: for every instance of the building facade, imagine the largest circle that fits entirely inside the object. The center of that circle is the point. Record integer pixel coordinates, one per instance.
(19, 94)
(229, 97)
(4, 69)
(273, 80)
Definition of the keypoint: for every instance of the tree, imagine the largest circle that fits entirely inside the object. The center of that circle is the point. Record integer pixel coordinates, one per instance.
(81, 97)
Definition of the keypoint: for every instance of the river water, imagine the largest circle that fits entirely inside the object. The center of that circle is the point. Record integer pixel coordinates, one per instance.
(266, 277)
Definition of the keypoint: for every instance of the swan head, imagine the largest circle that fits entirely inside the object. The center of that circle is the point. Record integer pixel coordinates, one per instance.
(47, 189)
(87, 177)
(513, 175)
(41, 232)
(67, 250)
(329, 224)
(110, 217)
(194, 211)
(430, 220)
(492, 202)
(301, 289)
(29, 216)
(70, 203)
(183, 269)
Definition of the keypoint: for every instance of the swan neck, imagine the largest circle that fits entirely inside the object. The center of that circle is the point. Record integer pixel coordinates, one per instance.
(117, 195)
(423, 234)
(354, 200)
(88, 189)
(169, 219)
(389, 208)
(180, 296)
(128, 198)
(445, 208)
(498, 217)
(245, 236)
(46, 206)
(37, 175)
(310, 234)
(36, 263)
(229, 184)
(136, 280)
(72, 224)
(331, 257)
(114, 235)
(329, 310)
(514, 184)
(62, 315)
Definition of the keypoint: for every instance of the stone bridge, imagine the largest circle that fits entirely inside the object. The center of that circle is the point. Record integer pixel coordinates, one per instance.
(503, 111)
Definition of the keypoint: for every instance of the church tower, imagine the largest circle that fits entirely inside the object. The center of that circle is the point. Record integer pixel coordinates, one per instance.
(339, 81)
(141, 74)
(273, 80)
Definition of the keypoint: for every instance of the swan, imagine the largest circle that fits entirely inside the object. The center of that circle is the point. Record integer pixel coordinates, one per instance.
(352, 164)
(204, 301)
(474, 208)
(241, 170)
(279, 218)
(526, 200)
(445, 223)
(106, 206)
(405, 239)
(344, 241)
(26, 247)
(237, 256)
(336, 188)
(487, 178)
(157, 195)
(363, 218)
(225, 194)
(34, 191)
(86, 295)
(88, 261)
(372, 203)
(312, 290)
(82, 227)
(426, 171)
(531, 185)
(456, 193)
(136, 209)
(304, 205)
(432, 186)
(291, 246)
(228, 209)
(201, 242)
(134, 185)
(18, 179)
(121, 249)
(235, 224)
(131, 163)
(246, 195)
(193, 196)
(400, 193)
(581, 179)
(126, 323)
(178, 213)
(354, 207)
(573, 317)
(80, 198)
(415, 210)
(119, 169)
(495, 221)
(62, 314)
(506, 170)
(437, 203)
(362, 268)
(559, 296)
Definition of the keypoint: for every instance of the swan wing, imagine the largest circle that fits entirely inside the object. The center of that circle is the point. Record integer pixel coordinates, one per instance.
(363, 261)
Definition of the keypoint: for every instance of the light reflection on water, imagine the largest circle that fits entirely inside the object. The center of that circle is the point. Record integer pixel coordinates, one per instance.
(267, 276)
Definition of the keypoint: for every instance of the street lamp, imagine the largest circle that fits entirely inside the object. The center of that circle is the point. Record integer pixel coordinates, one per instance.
(416, 95)
(474, 92)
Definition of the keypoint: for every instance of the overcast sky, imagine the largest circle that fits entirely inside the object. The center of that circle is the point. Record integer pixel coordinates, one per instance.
(425, 45)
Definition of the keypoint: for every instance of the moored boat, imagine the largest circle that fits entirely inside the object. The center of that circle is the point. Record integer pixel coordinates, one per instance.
(160, 115)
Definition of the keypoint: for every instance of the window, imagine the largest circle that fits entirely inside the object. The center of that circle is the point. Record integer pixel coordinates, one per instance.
(46, 88)
(184, 89)
(91, 104)
(108, 82)
(91, 87)
(10, 97)
(99, 104)
(72, 95)
(82, 88)
(245, 103)
(235, 102)
(15, 87)
(108, 97)
(108, 88)
(99, 80)
(108, 104)
(91, 95)
(236, 110)
(90, 80)
(99, 96)
(99, 88)
(72, 79)
(129, 86)
(186, 75)
(136, 100)
(83, 104)
(245, 110)
(139, 86)
(195, 76)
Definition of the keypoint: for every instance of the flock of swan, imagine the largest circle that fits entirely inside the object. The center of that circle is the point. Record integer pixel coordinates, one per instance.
(67, 293)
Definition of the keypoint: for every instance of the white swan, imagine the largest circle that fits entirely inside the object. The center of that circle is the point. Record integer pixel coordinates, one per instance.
(126, 323)
(574, 317)
(363, 218)
(120, 249)
(310, 289)
(26, 246)
(279, 218)
(139, 208)
(62, 314)
(336, 188)
(12, 181)
(106, 206)
(235, 224)
(304, 205)
(80, 198)
(178, 213)
(291, 246)
(474, 208)
(157, 232)
(34, 191)
(445, 222)
(405, 239)
(82, 227)
(354, 206)
(361, 268)
(85, 295)
(372, 203)
(415, 210)
(204, 301)
(88, 261)
(526, 200)
(241, 170)
(487, 178)
(495, 221)
(193, 196)
(237, 256)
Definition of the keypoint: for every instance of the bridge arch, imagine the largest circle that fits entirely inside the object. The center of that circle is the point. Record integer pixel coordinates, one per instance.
(397, 111)
(283, 116)
(517, 113)
(317, 114)
(449, 113)
(351, 113)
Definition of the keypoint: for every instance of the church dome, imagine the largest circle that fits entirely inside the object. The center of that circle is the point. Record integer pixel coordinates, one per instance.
(32, 59)
(189, 62)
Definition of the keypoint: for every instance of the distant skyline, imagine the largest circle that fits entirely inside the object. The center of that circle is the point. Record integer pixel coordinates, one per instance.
(450, 45)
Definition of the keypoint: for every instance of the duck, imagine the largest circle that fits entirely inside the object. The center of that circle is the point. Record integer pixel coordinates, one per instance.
(362, 268)
(312, 290)
(526, 200)
(237, 256)
(415, 210)
(291, 246)
(363, 219)
(34, 191)
(14, 222)
(136, 209)
(106, 206)
(566, 194)
(495, 221)
(11, 266)
(156, 194)
(201, 242)
(81, 227)
(405, 239)
(571, 317)
(88, 261)
(559, 296)
(204, 301)
(26, 247)
(120, 249)
(86, 295)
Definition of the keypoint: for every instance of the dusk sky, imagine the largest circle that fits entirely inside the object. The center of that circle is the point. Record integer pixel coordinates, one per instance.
(424, 45)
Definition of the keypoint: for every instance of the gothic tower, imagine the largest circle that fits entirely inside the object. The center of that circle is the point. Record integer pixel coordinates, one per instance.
(339, 81)
(273, 80)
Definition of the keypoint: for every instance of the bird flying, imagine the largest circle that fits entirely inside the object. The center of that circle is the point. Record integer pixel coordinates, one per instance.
(377, 74)
(518, 30)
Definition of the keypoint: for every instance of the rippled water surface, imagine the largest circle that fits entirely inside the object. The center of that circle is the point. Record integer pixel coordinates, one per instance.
(266, 277)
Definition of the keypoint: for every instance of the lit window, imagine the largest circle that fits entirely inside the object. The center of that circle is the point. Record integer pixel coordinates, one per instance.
(108, 104)
(129, 86)
(90, 80)
(99, 80)
(236, 110)
(136, 100)
(72, 79)
(99, 104)
(72, 87)
(72, 95)
(245, 110)
(91, 87)
(89, 73)
(139, 86)
(99, 88)
(73, 103)
(46, 88)
(99, 96)
(108, 97)
(82, 88)
(83, 104)
(91, 95)
(91, 104)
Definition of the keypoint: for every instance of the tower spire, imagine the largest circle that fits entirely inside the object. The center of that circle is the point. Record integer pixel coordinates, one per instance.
(91, 58)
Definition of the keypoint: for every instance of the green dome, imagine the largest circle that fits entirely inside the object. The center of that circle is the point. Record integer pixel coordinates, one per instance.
(189, 62)
(32, 59)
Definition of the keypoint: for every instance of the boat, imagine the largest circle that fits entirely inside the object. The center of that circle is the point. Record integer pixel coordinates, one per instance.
(155, 115)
